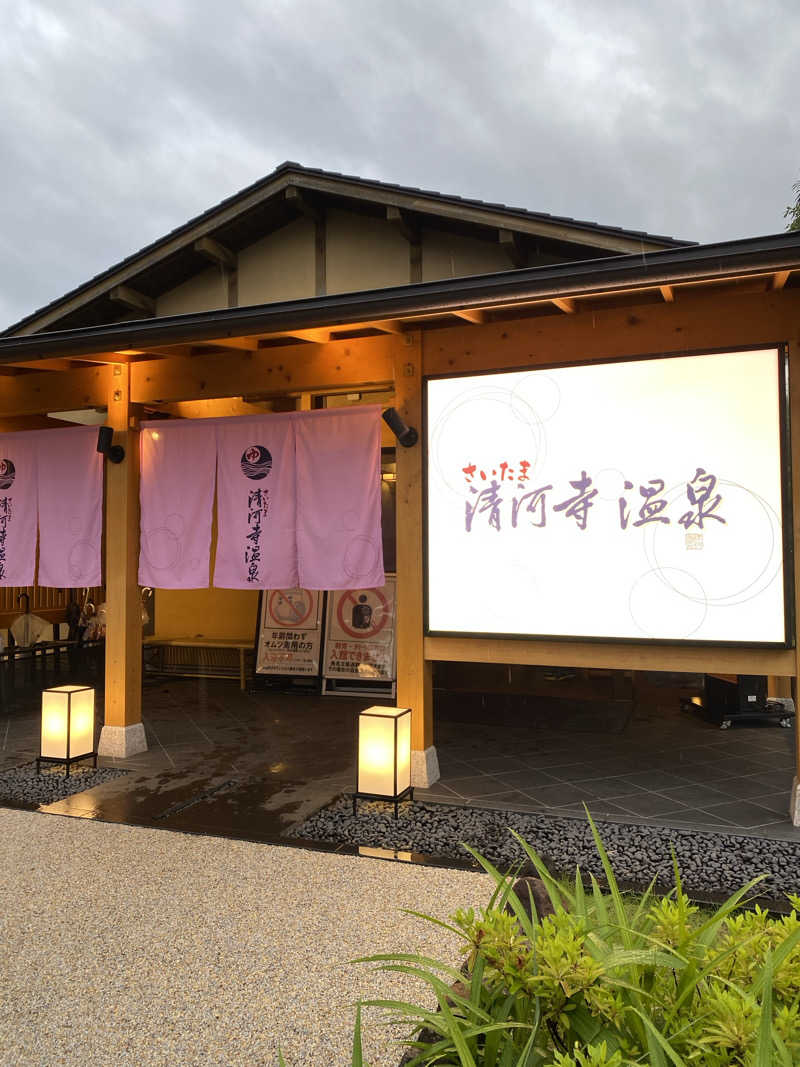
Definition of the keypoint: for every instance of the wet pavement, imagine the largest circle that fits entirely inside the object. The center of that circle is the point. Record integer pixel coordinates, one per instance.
(255, 764)
(626, 750)
(219, 761)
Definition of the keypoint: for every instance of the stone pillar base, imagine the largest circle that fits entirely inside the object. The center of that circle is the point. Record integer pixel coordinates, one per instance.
(424, 767)
(794, 803)
(122, 741)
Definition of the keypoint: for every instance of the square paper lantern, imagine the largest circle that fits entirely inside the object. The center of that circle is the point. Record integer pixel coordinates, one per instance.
(384, 755)
(67, 725)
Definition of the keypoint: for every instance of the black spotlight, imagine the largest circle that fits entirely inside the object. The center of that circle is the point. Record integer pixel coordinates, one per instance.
(113, 453)
(406, 435)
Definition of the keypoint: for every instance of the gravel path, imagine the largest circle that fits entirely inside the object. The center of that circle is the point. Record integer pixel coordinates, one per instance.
(709, 862)
(122, 945)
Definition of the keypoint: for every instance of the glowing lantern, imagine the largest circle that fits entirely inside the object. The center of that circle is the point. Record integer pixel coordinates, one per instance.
(384, 755)
(67, 726)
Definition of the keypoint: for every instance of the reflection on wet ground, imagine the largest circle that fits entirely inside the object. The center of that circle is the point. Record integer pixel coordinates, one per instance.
(255, 764)
(219, 761)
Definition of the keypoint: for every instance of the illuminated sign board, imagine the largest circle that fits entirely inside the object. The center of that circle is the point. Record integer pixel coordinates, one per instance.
(630, 500)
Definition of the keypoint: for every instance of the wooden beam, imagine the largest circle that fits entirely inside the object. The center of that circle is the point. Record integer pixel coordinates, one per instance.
(303, 204)
(321, 256)
(123, 701)
(644, 657)
(403, 224)
(779, 279)
(565, 304)
(306, 206)
(476, 315)
(214, 409)
(699, 320)
(484, 216)
(34, 394)
(215, 252)
(668, 293)
(46, 364)
(238, 344)
(414, 676)
(133, 299)
(318, 337)
(415, 263)
(340, 366)
(514, 247)
(388, 326)
(131, 355)
(409, 229)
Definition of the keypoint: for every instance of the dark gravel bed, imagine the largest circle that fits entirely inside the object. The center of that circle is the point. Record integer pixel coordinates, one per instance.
(22, 785)
(710, 863)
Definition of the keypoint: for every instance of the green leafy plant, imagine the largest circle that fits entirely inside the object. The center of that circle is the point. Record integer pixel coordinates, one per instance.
(607, 980)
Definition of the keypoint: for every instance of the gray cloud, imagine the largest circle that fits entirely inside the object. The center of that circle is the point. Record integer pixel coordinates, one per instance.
(119, 123)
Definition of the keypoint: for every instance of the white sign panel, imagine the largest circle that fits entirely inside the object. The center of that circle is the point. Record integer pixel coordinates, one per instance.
(289, 632)
(627, 500)
(359, 634)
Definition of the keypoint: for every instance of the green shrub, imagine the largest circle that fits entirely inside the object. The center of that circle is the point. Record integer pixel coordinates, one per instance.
(607, 980)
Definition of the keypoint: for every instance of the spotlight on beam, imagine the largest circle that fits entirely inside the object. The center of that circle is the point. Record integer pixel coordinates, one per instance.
(113, 453)
(406, 435)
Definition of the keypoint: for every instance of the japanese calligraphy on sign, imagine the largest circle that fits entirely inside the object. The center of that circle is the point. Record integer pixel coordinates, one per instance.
(6, 509)
(625, 500)
(523, 506)
(256, 464)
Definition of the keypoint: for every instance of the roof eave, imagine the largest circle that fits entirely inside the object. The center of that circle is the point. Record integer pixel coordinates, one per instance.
(721, 261)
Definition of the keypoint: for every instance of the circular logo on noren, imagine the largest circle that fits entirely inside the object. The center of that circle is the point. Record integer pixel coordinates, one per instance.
(256, 462)
(8, 473)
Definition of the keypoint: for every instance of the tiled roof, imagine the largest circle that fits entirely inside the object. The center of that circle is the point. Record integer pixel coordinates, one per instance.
(290, 167)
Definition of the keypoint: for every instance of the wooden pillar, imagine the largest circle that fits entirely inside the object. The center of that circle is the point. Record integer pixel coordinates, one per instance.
(794, 425)
(123, 733)
(414, 676)
(778, 687)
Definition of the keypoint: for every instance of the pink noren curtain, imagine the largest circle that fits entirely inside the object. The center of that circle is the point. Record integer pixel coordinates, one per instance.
(298, 501)
(177, 497)
(339, 542)
(18, 508)
(256, 546)
(70, 502)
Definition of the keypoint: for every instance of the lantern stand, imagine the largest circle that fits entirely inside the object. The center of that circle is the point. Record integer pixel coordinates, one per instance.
(384, 756)
(64, 725)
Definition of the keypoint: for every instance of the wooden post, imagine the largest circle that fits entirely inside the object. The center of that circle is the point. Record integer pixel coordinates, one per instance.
(778, 687)
(794, 428)
(123, 733)
(414, 675)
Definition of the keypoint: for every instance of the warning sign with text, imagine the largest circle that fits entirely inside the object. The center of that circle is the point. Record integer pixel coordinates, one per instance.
(289, 632)
(359, 638)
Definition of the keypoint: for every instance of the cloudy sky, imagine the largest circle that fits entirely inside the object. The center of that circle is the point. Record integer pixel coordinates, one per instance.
(120, 121)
